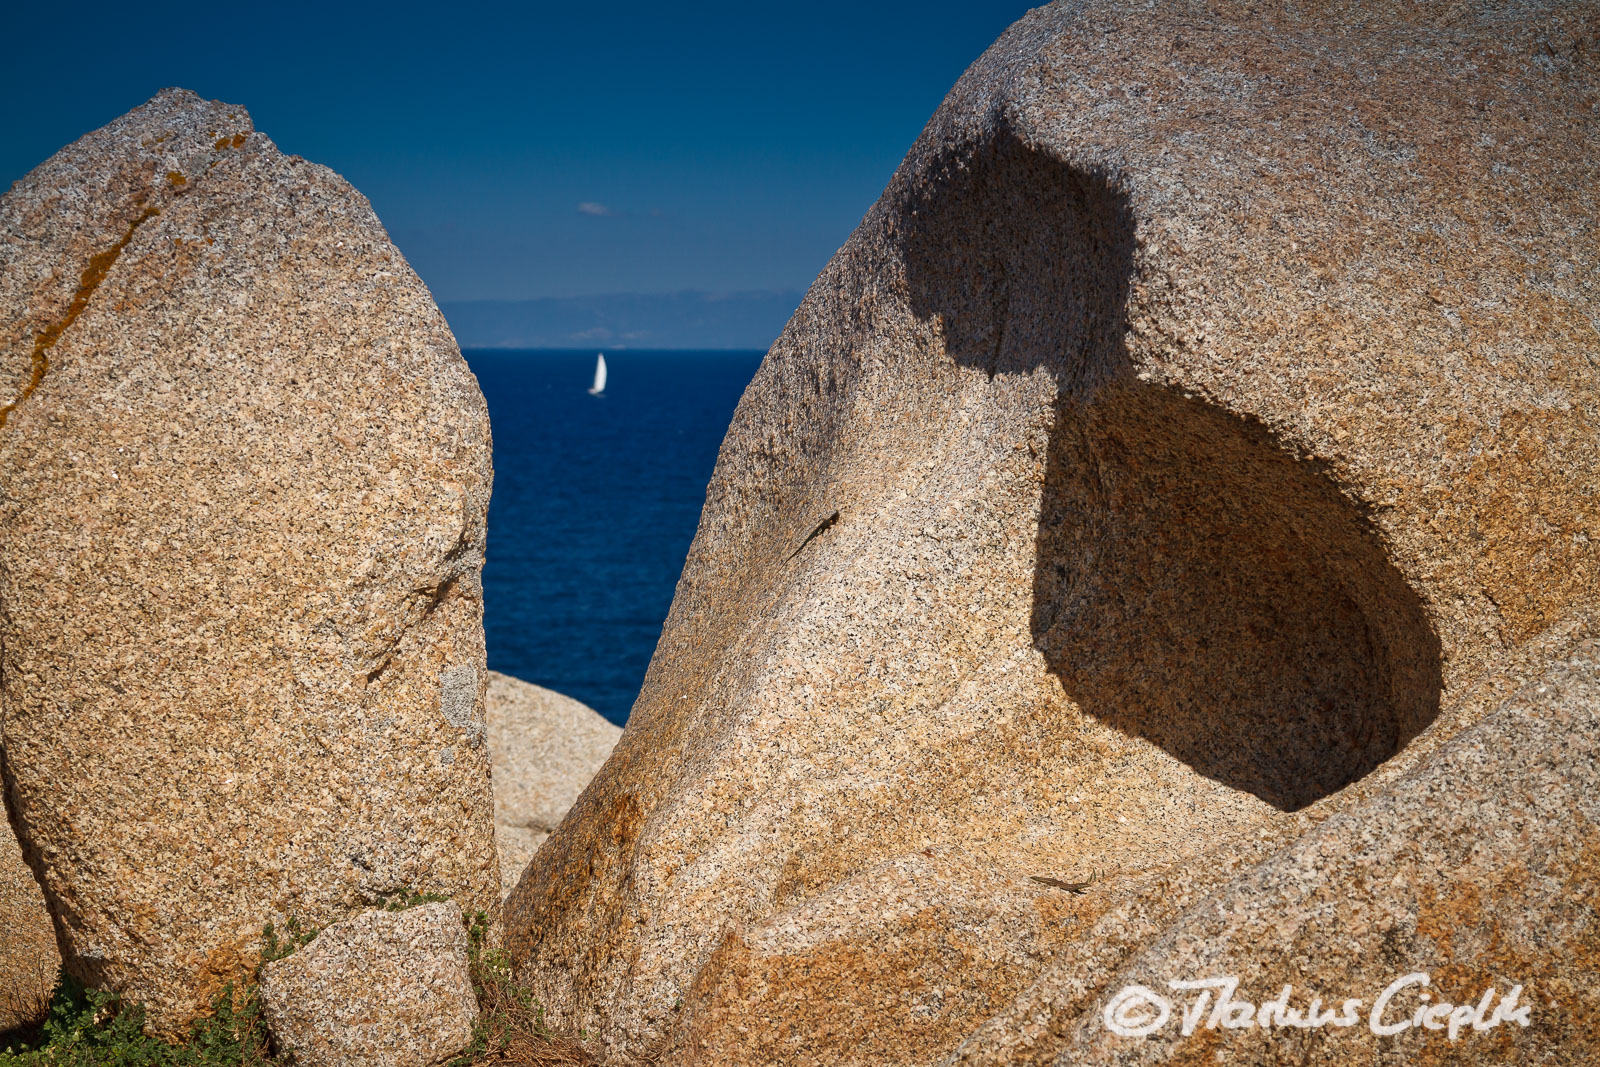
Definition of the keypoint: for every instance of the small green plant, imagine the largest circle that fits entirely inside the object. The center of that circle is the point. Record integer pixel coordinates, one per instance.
(405, 899)
(296, 936)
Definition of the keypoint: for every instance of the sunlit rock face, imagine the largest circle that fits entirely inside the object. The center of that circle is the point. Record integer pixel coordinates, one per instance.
(1160, 546)
(244, 475)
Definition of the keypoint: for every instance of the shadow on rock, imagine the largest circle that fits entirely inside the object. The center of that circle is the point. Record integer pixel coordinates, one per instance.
(1196, 585)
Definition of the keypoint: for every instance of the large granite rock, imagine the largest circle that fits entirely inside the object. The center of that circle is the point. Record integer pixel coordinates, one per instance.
(29, 961)
(379, 989)
(244, 474)
(543, 748)
(1184, 474)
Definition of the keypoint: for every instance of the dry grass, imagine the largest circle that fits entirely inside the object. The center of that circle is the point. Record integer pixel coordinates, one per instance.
(511, 1027)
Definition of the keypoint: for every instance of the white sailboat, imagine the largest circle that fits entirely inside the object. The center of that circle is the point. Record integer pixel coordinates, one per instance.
(599, 386)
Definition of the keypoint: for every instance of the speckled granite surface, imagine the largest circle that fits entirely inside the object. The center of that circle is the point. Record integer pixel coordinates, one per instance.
(1209, 406)
(243, 481)
(379, 989)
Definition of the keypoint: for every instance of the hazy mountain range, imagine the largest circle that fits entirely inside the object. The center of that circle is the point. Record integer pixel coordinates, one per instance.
(688, 319)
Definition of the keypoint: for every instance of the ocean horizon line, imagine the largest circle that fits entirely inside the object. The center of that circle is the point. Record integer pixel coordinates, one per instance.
(690, 319)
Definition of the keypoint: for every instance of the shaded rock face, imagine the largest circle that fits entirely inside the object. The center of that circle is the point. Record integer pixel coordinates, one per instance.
(380, 989)
(1209, 411)
(244, 474)
(1186, 561)
(28, 957)
(544, 748)
(1188, 565)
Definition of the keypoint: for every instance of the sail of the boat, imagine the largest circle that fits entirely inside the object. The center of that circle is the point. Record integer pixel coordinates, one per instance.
(599, 374)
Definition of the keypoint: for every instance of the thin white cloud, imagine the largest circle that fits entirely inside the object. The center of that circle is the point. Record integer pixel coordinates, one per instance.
(589, 207)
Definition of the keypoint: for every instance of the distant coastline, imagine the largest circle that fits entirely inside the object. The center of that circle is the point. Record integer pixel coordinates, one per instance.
(691, 319)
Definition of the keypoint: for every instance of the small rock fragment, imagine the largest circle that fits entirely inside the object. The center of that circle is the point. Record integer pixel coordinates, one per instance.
(380, 989)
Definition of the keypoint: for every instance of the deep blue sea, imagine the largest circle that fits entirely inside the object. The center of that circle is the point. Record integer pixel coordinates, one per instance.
(595, 502)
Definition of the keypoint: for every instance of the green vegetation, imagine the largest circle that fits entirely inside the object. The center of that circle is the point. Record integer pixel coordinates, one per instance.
(405, 900)
(88, 1028)
(272, 949)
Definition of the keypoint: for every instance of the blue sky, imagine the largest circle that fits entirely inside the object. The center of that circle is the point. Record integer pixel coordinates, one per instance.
(721, 146)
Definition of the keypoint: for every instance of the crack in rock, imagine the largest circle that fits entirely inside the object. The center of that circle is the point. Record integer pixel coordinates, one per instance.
(99, 266)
